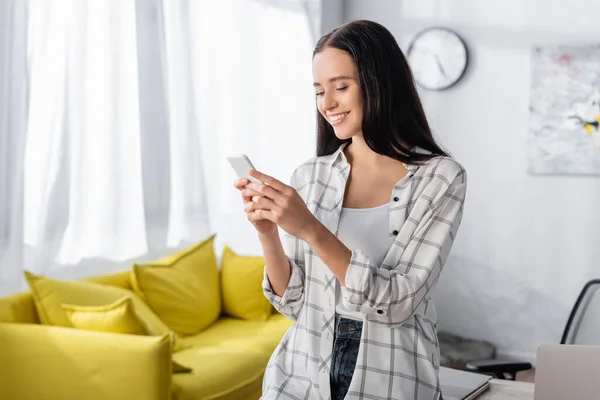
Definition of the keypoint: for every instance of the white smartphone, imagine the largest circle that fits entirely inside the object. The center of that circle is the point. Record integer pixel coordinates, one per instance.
(242, 165)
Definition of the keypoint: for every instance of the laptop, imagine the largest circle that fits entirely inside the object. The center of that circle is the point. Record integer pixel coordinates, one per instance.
(462, 385)
(567, 372)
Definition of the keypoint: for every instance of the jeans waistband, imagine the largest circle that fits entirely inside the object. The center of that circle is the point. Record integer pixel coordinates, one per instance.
(346, 328)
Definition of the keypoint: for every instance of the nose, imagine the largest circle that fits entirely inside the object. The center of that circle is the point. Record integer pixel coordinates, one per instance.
(329, 101)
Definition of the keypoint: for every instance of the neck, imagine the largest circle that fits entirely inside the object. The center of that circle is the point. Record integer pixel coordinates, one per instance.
(359, 154)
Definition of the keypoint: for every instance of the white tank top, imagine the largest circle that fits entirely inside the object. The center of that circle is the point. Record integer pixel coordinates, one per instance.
(367, 230)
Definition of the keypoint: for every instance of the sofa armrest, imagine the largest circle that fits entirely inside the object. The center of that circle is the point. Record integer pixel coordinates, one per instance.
(19, 308)
(501, 369)
(47, 362)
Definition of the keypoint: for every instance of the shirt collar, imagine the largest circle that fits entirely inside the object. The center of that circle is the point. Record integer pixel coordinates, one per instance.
(338, 157)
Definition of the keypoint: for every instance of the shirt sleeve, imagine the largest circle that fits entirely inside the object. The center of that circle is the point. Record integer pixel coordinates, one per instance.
(292, 300)
(391, 295)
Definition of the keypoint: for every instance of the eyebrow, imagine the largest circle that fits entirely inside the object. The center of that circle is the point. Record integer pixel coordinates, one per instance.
(337, 78)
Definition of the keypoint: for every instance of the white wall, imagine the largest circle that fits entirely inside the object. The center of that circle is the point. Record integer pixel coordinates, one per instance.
(527, 243)
(332, 14)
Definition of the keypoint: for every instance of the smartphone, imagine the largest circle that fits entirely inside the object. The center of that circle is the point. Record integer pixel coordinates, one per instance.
(242, 165)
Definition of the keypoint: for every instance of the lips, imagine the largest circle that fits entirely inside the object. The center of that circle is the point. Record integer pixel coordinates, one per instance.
(336, 119)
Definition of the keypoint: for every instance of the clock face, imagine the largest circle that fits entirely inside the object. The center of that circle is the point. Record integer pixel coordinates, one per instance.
(438, 58)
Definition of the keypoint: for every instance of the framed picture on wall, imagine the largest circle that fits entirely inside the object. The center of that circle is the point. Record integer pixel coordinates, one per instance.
(564, 112)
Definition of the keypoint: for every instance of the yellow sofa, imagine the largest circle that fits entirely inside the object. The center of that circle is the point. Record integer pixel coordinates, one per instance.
(40, 362)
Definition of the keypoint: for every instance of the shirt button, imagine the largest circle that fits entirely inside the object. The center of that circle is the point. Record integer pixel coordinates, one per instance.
(395, 233)
(379, 311)
(396, 198)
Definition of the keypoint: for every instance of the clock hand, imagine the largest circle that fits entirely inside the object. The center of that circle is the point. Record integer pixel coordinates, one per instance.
(439, 64)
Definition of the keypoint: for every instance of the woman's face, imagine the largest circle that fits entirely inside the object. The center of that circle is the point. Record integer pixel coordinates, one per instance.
(338, 93)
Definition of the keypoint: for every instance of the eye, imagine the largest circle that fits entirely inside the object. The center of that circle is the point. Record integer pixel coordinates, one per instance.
(342, 88)
(319, 93)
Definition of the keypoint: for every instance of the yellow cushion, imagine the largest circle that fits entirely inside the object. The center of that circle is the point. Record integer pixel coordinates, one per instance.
(118, 317)
(21, 307)
(183, 289)
(47, 362)
(241, 287)
(50, 294)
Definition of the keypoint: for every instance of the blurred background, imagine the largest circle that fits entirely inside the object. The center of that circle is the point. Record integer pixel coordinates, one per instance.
(116, 118)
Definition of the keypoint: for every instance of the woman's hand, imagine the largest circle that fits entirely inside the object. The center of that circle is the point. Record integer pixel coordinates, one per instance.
(282, 205)
(262, 225)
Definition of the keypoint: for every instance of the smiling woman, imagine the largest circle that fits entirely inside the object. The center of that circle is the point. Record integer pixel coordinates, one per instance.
(369, 223)
(348, 73)
(338, 96)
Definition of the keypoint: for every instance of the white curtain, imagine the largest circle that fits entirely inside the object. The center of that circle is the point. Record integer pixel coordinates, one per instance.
(118, 118)
(250, 89)
(13, 110)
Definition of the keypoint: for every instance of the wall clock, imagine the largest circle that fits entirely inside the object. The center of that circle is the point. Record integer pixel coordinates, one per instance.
(438, 58)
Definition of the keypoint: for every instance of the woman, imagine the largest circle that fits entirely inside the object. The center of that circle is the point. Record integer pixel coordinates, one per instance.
(369, 224)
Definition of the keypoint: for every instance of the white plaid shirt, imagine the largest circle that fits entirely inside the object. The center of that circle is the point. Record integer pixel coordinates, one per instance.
(399, 354)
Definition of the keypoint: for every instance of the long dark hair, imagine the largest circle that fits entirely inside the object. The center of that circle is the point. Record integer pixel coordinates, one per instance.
(393, 121)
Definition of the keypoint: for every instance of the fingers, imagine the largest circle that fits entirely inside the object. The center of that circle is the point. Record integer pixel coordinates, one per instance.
(267, 191)
(252, 200)
(259, 202)
(250, 193)
(266, 214)
(255, 214)
(263, 203)
(254, 217)
(241, 183)
(269, 180)
(250, 207)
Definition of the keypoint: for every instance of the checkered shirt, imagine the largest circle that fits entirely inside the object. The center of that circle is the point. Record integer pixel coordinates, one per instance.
(399, 353)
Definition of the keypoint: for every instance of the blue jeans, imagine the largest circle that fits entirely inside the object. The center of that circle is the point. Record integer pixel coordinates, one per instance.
(346, 342)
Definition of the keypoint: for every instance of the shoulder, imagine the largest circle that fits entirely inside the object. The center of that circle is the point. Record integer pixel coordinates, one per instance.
(440, 178)
(311, 169)
(442, 169)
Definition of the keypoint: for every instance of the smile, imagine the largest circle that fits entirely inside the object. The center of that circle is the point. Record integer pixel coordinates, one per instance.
(337, 119)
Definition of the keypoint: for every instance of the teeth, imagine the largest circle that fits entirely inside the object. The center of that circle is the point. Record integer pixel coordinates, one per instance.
(335, 118)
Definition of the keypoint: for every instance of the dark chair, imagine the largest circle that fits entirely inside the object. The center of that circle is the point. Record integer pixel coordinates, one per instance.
(456, 351)
(583, 328)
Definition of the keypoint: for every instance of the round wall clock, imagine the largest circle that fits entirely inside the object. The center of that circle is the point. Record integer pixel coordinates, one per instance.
(438, 58)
